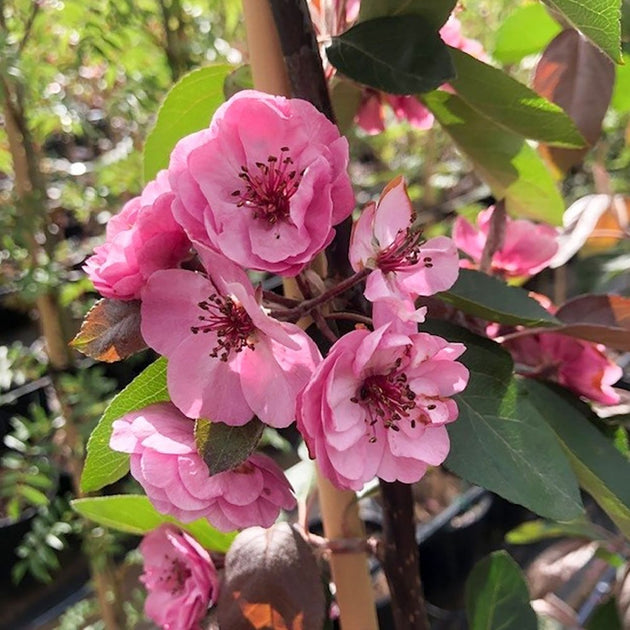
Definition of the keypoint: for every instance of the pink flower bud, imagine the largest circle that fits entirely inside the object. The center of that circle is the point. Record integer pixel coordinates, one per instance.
(141, 239)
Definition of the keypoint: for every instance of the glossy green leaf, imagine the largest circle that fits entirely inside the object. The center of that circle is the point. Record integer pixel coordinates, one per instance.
(497, 597)
(599, 20)
(488, 297)
(134, 514)
(498, 96)
(501, 443)
(188, 107)
(511, 167)
(601, 469)
(103, 465)
(525, 31)
(435, 12)
(535, 531)
(399, 55)
(621, 91)
(224, 447)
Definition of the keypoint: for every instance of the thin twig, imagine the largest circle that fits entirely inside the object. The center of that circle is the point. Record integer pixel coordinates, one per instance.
(496, 236)
(29, 26)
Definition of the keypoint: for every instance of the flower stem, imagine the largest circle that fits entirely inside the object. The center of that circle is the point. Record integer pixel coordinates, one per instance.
(307, 306)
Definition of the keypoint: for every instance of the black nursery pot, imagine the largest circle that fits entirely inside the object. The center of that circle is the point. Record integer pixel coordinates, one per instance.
(17, 402)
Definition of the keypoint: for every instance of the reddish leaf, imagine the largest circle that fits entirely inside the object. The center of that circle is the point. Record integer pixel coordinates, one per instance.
(111, 331)
(578, 77)
(600, 318)
(271, 581)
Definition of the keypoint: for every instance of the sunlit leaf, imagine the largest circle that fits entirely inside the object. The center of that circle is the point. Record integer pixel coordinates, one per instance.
(103, 465)
(134, 514)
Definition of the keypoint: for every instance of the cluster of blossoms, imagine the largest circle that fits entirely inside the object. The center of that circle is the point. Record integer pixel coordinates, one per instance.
(262, 189)
(527, 249)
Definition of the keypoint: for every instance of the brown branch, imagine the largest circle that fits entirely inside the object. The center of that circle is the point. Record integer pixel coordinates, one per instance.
(29, 26)
(496, 236)
(401, 563)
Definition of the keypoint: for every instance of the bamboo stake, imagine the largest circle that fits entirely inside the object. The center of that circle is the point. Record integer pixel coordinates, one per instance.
(339, 508)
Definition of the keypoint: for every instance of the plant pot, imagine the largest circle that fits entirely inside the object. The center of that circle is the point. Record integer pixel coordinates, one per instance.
(17, 402)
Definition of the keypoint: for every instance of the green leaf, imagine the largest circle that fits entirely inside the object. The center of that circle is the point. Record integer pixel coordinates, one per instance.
(535, 531)
(188, 107)
(32, 495)
(488, 297)
(601, 469)
(134, 514)
(525, 31)
(621, 92)
(399, 55)
(224, 447)
(511, 168)
(500, 443)
(599, 20)
(498, 96)
(435, 12)
(103, 465)
(497, 597)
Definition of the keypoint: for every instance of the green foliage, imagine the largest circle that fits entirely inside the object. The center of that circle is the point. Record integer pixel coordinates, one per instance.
(399, 55)
(134, 514)
(535, 531)
(497, 596)
(601, 469)
(48, 536)
(511, 168)
(435, 12)
(485, 296)
(188, 107)
(102, 465)
(224, 447)
(494, 94)
(525, 31)
(599, 20)
(501, 443)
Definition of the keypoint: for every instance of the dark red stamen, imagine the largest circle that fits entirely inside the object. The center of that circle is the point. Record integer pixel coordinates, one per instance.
(268, 191)
(403, 252)
(388, 398)
(229, 321)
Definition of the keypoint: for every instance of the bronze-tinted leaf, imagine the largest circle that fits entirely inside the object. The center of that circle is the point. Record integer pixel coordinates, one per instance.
(576, 75)
(271, 581)
(223, 447)
(111, 331)
(599, 318)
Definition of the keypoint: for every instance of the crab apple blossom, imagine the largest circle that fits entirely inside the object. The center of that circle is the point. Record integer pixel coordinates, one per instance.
(578, 365)
(404, 266)
(165, 461)
(141, 239)
(227, 359)
(180, 578)
(265, 184)
(378, 405)
(527, 247)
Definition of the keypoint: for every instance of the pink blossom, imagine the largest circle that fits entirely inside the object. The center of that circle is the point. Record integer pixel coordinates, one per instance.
(581, 366)
(377, 405)
(451, 34)
(180, 578)
(227, 359)
(404, 265)
(165, 461)
(527, 248)
(141, 239)
(267, 193)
